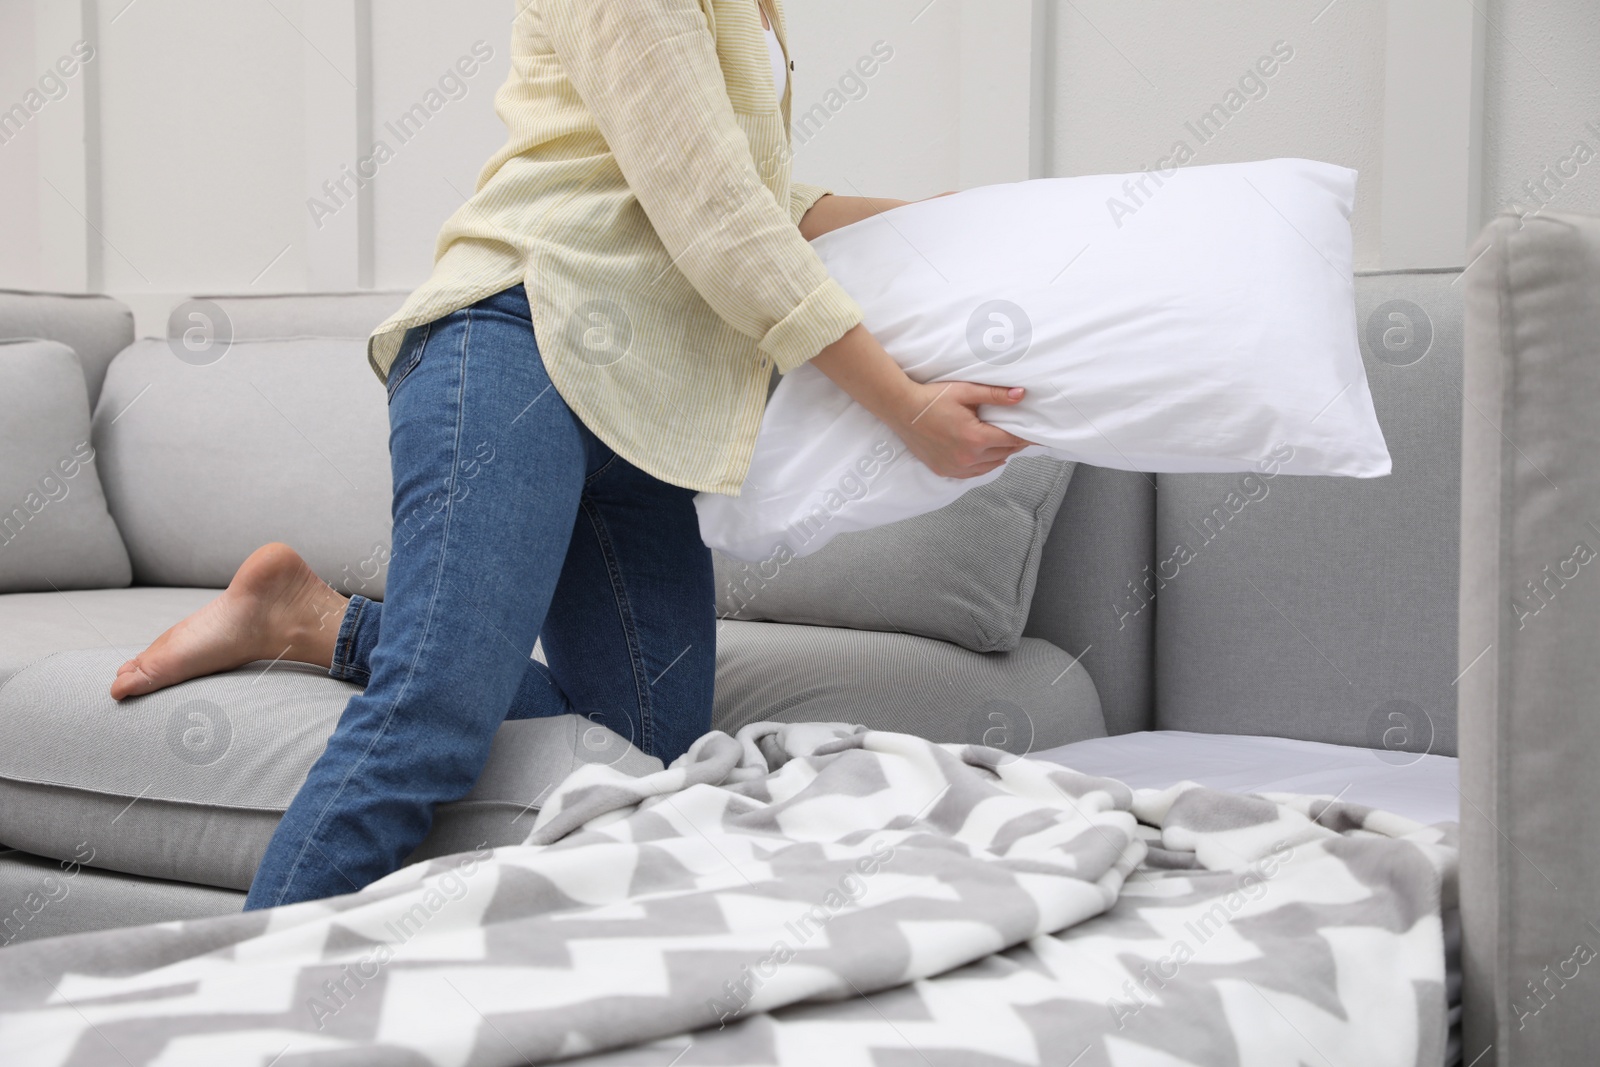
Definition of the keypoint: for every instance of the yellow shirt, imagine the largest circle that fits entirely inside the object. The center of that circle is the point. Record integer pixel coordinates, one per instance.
(644, 200)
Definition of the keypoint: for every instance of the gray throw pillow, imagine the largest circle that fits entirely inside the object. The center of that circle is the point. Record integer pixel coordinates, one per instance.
(1035, 698)
(96, 327)
(55, 531)
(963, 574)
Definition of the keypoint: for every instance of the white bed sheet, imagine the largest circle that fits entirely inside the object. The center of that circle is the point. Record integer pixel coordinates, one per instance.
(1420, 787)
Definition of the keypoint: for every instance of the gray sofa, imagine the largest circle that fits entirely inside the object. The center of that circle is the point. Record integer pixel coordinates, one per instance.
(1319, 609)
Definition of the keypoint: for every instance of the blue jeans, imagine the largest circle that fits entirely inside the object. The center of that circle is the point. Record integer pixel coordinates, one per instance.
(512, 522)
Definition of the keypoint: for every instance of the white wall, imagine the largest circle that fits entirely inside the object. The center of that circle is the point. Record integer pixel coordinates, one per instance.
(201, 145)
(1132, 81)
(1541, 102)
(185, 158)
(416, 44)
(219, 124)
(19, 154)
(894, 133)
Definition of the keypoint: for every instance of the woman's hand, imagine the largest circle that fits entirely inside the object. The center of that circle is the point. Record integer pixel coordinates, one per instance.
(938, 421)
(947, 434)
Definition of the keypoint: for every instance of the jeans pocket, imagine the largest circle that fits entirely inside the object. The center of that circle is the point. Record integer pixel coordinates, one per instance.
(407, 356)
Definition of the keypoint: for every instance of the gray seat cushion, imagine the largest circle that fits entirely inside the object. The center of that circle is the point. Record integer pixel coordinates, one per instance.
(95, 327)
(188, 783)
(55, 531)
(33, 625)
(42, 897)
(963, 574)
(275, 441)
(1318, 608)
(1033, 698)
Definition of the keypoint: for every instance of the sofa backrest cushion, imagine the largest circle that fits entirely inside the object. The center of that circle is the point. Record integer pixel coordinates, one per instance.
(55, 531)
(272, 441)
(95, 327)
(282, 316)
(1325, 608)
(1089, 601)
(963, 574)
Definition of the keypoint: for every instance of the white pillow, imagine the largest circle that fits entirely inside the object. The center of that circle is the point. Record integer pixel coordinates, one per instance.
(1197, 321)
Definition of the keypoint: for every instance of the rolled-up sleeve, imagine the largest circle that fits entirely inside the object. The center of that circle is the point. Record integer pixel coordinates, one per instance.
(648, 72)
(802, 196)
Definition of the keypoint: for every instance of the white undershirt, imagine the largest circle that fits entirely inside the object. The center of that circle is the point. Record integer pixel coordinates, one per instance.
(780, 66)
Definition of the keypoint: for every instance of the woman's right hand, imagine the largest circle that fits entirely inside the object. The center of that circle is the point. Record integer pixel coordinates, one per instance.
(938, 421)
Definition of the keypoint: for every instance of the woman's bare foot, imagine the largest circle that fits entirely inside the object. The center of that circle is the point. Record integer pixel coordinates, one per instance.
(275, 608)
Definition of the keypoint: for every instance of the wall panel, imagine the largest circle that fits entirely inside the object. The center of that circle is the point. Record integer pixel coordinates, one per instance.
(202, 146)
(439, 124)
(19, 150)
(1542, 106)
(214, 126)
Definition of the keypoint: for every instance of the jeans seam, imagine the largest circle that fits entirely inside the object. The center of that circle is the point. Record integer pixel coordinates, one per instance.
(630, 632)
(427, 626)
(405, 372)
(345, 649)
(607, 465)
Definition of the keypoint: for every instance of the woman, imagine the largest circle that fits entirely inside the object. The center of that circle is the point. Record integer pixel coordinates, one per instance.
(593, 347)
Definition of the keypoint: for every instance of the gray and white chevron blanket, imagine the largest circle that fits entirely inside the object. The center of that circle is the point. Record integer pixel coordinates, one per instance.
(803, 895)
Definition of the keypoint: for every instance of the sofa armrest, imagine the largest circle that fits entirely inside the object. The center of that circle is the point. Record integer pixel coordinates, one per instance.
(1529, 692)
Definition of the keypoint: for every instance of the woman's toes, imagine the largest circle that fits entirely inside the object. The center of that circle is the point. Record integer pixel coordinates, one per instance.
(131, 681)
(213, 639)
